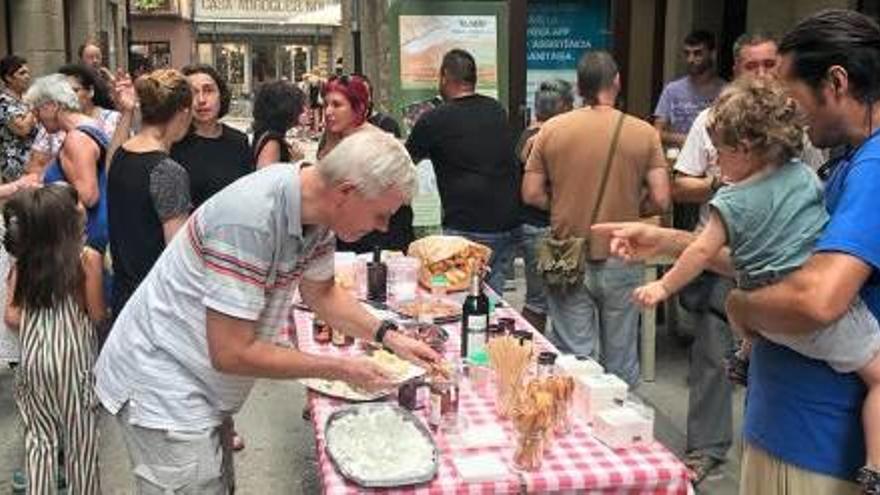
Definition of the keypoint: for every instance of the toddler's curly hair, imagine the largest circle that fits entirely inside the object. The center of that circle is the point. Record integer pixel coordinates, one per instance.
(756, 113)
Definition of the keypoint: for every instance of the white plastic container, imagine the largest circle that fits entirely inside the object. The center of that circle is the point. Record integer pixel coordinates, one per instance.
(624, 426)
(579, 367)
(593, 394)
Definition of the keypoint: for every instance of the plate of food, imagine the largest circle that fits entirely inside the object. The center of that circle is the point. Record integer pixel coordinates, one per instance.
(452, 256)
(441, 310)
(399, 369)
(363, 449)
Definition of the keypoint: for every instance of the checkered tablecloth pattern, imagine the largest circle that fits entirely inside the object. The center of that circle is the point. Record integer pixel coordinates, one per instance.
(575, 462)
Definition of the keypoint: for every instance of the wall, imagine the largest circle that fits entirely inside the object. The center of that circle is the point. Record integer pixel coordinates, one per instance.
(637, 86)
(780, 15)
(38, 33)
(176, 31)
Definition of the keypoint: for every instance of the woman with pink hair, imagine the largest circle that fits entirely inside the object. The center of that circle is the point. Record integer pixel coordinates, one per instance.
(346, 109)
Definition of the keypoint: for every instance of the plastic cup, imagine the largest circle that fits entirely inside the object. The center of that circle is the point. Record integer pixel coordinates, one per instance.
(403, 277)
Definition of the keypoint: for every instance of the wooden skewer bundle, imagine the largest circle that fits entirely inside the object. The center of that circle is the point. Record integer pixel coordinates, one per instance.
(510, 360)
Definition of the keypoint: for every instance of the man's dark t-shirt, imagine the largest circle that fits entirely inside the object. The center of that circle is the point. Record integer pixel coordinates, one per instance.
(213, 163)
(471, 147)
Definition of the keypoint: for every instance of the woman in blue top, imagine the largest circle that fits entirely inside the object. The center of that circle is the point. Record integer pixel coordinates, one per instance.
(81, 160)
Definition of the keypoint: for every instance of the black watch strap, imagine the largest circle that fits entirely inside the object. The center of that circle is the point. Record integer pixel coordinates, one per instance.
(384, 328)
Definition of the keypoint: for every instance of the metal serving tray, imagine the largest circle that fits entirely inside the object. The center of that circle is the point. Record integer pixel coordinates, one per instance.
(383, 482)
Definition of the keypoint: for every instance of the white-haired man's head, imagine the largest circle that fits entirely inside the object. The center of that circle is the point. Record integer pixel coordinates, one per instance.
(370, 176)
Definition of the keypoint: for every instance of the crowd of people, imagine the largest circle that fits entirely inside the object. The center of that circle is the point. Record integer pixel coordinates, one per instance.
(153, 251)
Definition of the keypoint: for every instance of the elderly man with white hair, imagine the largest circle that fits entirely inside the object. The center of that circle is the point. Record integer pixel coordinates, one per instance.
(185, 351)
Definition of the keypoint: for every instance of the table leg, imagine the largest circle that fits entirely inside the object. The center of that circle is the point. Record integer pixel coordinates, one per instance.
(649, 332)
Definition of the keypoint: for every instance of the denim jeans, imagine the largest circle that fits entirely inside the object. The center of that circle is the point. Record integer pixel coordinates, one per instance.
(502, 245)
(536, 292)
(710, 401)
(600, 318)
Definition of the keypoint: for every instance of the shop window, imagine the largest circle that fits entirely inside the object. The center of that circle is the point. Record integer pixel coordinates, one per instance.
(150, 55)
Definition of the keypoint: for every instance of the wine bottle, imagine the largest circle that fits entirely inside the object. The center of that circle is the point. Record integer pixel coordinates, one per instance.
(474, 318)
(377, 278)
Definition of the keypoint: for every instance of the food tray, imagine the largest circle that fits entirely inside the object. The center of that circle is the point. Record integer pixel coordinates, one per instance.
(387, 482)
(341, 390)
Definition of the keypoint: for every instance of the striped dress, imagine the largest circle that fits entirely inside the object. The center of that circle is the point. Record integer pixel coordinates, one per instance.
(56, 398)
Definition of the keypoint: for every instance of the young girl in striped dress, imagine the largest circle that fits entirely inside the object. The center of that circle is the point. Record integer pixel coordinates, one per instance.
(54, 300)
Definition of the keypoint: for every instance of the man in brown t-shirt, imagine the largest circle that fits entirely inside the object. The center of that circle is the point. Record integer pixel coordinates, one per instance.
(563, 174)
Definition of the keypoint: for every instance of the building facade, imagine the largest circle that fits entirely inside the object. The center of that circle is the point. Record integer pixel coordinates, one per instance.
(48, 33)
(254, 41)
(162, 34)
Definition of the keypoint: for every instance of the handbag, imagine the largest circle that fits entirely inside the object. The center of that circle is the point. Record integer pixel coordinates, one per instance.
(561, 262)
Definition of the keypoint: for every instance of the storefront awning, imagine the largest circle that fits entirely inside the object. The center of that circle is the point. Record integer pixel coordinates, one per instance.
(287, 12)
(233, 28)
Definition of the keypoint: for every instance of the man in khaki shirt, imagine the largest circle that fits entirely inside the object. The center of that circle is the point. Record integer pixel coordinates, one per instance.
(563, 175)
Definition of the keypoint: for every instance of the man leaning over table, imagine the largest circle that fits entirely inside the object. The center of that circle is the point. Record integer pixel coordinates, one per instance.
(802, 425)
(187, 348)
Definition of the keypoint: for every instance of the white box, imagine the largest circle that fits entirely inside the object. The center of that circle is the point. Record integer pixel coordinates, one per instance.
(623, 427)
(596, 393)
(579, 367)
(480, 468)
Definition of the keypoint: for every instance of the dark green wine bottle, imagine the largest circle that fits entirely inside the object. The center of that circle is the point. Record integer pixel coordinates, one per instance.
(474, 318)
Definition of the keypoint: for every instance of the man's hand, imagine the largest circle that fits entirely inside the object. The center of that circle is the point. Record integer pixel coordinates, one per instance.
(412, 350)
(367, 375)
(296, 151)
(633, 241)
(651, 294)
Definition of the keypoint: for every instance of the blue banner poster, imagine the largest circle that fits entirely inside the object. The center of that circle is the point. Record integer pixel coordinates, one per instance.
(557, 35)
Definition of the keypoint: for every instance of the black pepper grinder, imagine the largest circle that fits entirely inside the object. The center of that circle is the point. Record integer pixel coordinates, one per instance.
(377, 278)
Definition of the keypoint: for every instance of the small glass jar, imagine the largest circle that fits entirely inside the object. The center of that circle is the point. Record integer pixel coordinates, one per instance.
(507, 324)
(495, 331)
(341, 339)
(410, 395)
(444, 397)
(529, 455)
(546, 364)
(439, 287)
(524, 336)
(480, 374)
(321, 331)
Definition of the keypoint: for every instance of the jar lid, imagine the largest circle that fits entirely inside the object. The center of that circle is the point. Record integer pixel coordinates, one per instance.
(479, 358)
(547, 358)
(523, 335)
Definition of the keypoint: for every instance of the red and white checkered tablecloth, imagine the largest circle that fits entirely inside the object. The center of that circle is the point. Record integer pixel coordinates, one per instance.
(576, 462)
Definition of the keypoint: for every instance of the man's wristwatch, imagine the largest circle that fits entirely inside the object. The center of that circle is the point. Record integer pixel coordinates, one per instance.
(385, 327)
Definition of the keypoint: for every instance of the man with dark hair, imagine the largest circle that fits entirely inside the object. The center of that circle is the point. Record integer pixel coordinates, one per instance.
(564, 174)
(696, 177)
(684, 98)
(471, 146)
(802, 425)
(90, 54)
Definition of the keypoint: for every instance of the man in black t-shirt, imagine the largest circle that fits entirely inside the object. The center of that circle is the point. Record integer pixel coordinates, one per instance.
(471, 147)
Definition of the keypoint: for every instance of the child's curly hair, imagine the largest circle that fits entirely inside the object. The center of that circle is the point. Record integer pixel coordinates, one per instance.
(757, 113)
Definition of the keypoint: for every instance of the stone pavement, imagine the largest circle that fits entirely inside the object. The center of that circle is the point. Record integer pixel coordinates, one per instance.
(279, 457)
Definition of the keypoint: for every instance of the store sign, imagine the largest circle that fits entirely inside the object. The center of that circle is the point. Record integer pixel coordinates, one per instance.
(557, 35)
(327, 12)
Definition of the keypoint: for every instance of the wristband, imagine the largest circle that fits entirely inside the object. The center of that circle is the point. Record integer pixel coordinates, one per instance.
(384, 328)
